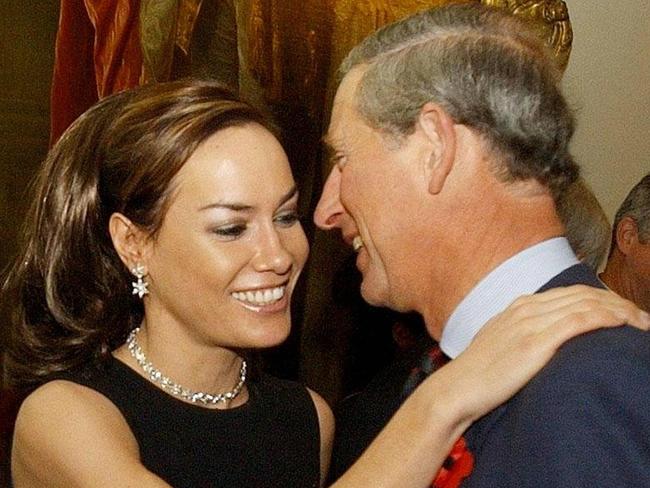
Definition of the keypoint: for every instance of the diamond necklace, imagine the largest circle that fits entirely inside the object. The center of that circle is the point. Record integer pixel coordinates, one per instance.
(174, 388)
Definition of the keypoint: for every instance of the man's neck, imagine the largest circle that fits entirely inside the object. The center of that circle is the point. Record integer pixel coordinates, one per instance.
(522, 274)
(498, 239)
(619, 278)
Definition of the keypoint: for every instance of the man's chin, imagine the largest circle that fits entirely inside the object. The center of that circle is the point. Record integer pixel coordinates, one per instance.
(372, 295)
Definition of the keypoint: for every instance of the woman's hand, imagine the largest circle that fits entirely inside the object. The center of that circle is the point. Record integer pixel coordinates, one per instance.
(504, 356)
(512, 347)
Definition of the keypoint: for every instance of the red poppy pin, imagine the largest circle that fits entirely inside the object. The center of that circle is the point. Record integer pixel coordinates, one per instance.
(456, 468)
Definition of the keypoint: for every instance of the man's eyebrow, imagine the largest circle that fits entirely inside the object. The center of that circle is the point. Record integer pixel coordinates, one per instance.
(240, 207)
(330, 151)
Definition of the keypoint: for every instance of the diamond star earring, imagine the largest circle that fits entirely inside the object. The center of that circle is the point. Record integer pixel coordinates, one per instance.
(140, 286)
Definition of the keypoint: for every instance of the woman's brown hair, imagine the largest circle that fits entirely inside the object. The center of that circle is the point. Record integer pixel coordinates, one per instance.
(68, 293)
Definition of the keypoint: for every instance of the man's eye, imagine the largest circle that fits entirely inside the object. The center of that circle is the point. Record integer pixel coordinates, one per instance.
(287, 219)
(230, 231)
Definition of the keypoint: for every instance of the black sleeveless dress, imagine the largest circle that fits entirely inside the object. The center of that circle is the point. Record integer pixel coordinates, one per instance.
(271, 441)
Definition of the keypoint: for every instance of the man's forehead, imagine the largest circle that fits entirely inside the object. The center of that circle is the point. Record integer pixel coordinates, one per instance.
(344, 109)
(333, 138)
(344, 99)
(343, 130)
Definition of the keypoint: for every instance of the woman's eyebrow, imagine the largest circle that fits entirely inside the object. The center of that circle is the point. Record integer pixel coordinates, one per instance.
(237, 207)
(241, 207)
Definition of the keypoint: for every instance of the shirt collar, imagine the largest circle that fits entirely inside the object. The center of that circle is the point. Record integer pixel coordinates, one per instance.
(522, 274)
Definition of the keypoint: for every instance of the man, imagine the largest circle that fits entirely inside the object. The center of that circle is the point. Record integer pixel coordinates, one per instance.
(585, 224)
(628, 267)
(450, 140)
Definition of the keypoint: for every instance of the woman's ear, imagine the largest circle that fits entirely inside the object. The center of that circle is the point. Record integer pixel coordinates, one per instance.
(438, 127)
(128, 239)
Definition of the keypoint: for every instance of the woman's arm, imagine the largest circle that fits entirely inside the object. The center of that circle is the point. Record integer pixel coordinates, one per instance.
(503, 357)
(67, 435)
(326, 428)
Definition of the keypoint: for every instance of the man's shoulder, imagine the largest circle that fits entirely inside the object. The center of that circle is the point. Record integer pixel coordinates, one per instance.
(595, 365)
(595, 359)
(594, 378)
(619, 344)
(590, 403)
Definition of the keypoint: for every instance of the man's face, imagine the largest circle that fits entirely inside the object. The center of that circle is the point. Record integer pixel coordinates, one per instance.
(639, 258)
(369, 195)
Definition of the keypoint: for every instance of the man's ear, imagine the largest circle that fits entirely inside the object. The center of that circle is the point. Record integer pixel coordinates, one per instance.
(438, 127)
(627, 235)
(128, 239)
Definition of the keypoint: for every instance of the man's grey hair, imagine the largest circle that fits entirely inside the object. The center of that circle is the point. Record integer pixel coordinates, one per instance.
(637, 206)
(489, 70)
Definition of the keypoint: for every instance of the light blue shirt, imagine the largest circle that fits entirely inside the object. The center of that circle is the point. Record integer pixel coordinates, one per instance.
(522, 274)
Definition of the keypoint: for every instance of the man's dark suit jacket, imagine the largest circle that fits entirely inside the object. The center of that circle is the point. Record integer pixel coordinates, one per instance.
(583, 421)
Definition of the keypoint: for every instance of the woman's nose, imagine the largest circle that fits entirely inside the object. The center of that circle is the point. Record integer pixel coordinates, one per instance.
(273, 254)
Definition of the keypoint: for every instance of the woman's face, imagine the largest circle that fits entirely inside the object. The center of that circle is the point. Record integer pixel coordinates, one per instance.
(225, 261)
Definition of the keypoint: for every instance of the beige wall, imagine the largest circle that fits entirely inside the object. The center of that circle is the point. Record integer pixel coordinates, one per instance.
(608, 81)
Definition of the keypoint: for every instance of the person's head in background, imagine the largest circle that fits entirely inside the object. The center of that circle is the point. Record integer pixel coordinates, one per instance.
(587, 227)
(628, 267)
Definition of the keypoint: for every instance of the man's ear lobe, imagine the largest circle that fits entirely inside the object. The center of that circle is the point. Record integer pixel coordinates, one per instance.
(627, 234)
(128, 239)
(438, 127)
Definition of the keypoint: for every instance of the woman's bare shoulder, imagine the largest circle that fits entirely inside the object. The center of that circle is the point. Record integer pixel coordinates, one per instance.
(326, 427)
(69, 406)
(68, 434)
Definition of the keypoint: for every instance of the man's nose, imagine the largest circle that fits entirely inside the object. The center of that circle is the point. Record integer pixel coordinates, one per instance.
(329, 210)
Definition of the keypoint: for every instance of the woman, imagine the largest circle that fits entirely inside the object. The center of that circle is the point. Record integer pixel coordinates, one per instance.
(164, 245)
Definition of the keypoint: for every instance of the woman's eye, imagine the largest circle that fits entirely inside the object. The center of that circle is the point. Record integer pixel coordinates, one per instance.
(230, 231)
(287, 219)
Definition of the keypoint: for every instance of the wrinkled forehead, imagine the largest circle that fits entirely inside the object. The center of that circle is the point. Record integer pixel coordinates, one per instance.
(346, 94)
(345, 115)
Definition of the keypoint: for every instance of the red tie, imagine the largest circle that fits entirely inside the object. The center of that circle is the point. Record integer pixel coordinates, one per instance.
(460, 461)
